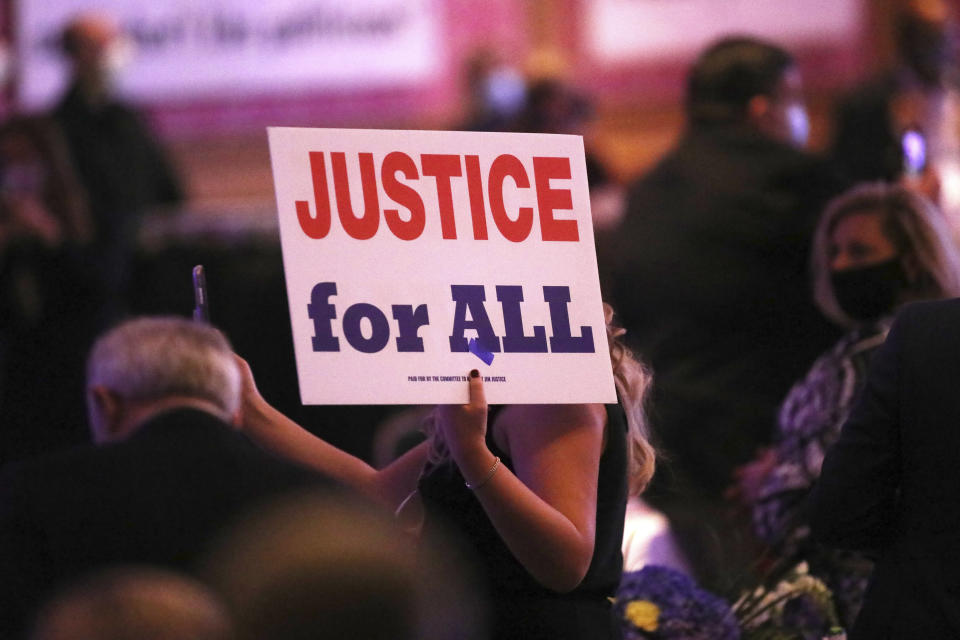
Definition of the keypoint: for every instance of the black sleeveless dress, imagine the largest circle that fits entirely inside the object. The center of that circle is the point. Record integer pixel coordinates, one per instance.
(520, 607)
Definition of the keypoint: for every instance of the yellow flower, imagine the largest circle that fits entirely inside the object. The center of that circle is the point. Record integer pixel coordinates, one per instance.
(643, 614)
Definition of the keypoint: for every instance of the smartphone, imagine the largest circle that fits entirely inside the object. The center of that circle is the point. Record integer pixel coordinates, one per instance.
(914, 147)
(201, 309)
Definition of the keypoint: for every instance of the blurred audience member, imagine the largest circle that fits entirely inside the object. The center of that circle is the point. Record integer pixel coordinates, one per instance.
(169, 469)
(876, 247)
(553, 107)
(905, 122)
(120, 163)
(709, 274)
(41, 196)
(134, 603)
(496, 92)
(43, 229)
(318, 568)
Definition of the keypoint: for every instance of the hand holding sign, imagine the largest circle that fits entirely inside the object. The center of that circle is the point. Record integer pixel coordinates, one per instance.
(464, 426)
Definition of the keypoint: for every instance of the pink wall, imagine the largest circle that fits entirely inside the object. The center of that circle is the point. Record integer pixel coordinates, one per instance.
(825, 66)
(504, 25)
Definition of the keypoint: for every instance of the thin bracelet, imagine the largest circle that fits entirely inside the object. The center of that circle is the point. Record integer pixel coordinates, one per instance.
(486, 478)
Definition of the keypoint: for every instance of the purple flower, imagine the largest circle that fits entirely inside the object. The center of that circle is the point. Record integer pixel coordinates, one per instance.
(673, 608)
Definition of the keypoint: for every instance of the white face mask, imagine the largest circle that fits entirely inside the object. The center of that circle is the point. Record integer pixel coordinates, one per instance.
(117, 57)
(505, 91)
(799, 124)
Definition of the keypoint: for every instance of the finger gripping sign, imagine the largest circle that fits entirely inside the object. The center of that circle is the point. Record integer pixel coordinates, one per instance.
(412, 257)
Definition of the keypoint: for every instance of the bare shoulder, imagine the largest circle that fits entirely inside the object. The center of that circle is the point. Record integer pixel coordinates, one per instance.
(554, 415)
(546, 422)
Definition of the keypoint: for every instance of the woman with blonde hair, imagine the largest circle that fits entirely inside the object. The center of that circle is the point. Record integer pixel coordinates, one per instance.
(537, 493)
(924, 265)
(877, 246)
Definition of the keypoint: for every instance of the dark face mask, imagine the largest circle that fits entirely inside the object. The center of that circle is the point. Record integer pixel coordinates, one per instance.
(866, 293)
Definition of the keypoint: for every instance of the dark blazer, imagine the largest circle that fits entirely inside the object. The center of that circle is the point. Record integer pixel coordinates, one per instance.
(119, 161)
(891, 484)
(709, 275)
(158, 497)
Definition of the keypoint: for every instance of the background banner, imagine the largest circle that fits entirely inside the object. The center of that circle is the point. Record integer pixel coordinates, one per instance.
(180, 48)
(629, 30)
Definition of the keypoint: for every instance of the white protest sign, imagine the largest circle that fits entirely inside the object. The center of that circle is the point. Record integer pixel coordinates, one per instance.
(412, 257)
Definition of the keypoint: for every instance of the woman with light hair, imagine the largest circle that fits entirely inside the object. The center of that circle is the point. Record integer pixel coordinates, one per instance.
(877, 247)
(924, 265)
(536, 492)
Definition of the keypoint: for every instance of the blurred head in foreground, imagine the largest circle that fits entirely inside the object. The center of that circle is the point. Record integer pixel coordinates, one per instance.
(151, 364)
(134, 603)
(318, 567)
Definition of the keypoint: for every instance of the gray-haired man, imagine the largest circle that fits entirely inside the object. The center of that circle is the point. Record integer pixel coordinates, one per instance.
(168, 470)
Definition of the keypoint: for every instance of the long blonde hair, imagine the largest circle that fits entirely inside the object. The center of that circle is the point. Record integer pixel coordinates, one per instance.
(632, 380)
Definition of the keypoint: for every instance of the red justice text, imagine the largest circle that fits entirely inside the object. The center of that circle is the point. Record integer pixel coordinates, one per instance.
(444, 169)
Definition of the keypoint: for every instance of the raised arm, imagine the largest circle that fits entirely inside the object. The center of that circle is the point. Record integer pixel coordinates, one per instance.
(546, 513)
(280, 435)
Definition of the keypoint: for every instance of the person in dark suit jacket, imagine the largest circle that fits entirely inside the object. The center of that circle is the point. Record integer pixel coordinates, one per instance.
(167, 473)
(891, 484)
(120, 163)
(708, 273)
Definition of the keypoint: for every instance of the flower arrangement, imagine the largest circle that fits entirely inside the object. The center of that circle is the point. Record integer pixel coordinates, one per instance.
(659, 603)
(663, 604)
(798, 607)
